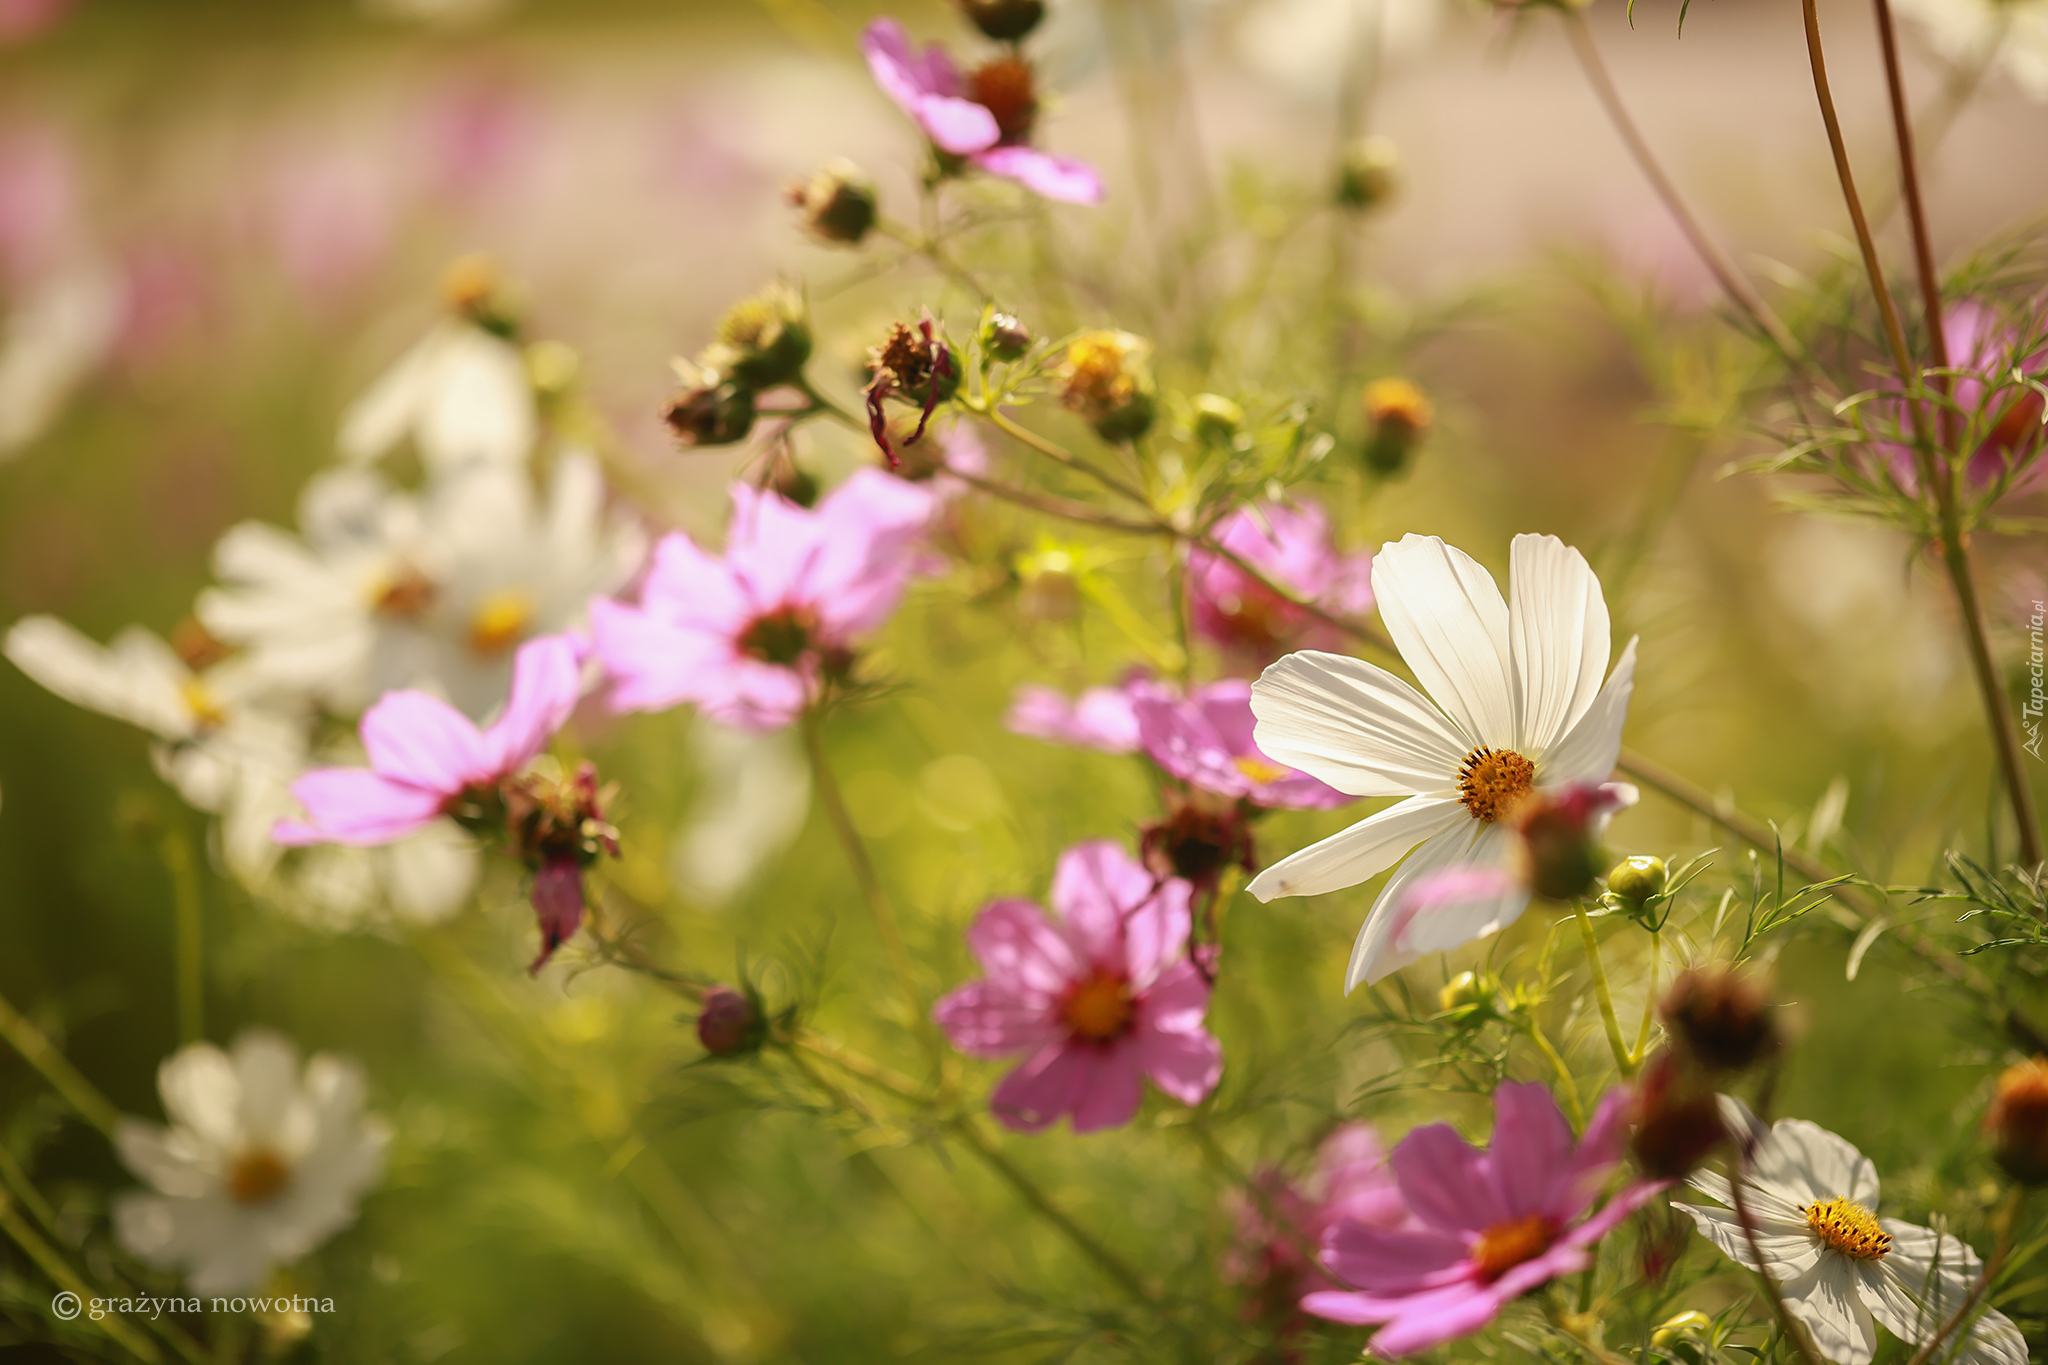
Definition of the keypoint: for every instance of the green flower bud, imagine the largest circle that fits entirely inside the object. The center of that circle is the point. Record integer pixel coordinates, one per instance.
(1218, 421)
(1003, 337)
(1368, 176)
(763, 341)
(1634, 880)
(1463, 991)
(837, 203)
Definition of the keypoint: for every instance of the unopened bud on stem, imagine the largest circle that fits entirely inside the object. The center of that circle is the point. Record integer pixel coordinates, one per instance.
(1721, 1018)
(837, 204)
(729, 1022)
(2017, 1122)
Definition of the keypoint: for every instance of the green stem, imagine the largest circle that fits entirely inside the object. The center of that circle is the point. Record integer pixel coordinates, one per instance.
(1622, 1060)
(1565, 1079)
(1642, 1046)
(37, 1051)
(191, 963)
(877, 901)
(53, 1265)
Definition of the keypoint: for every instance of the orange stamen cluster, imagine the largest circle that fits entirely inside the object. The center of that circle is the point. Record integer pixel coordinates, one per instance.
(1098, 1009)
(1504, 1246)
(257, 1177)
(1490, 781)
(1848, 1227)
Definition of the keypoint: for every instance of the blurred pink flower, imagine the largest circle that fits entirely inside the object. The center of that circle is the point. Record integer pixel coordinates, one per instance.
(424, 754)
(1102, 718)
(1280, 1228)
(21, 20)
(330, 214)
(1097, 999)
(1205, 740)
(39, 212)
(1489, 1226)
(929, 88)
(1290, 545)
(748, 635)
(1986, 352)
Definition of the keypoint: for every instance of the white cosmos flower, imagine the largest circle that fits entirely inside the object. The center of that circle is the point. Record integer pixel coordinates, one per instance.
(2012, 33)
(1515, 703)
(260, 1165)
(1813, 1200)
(387, 590)
(463, 396)
(225, 738)
(60, 331)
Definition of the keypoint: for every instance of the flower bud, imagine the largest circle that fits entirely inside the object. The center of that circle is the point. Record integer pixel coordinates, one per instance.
(1635, 879)
(1199, 837)
(1677, 1120)
(2017, 1122)
(1560, 843)
(1721, 1018)
(729, 1023)
(1217, 420)
(1004, 20)
(472, 287)
(1398, 417)
(1003, 337)
(837, 204)
(1367, 178)
(1461, 992)
(763, 341)
(1691, 1324)
(711, 410)
(1105, 379)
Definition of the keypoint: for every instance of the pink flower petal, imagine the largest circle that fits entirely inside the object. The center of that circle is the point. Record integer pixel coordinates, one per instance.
(1033, 1097)
(1100, 718)
(1531, 1149)
(1176, 1001)
(1095, 888)
(926, 88)
(652, 663)
(986, 1019)
(558, 903)
(356, 806)
(1444, 1180)
(1183, 1065)
(1391, 1261)
(1020, 949)
(1048, 176)
(1113, 1086)
(1357, 1310)
(1598, 1152)
(424, 742)
(1443, 1315)
(1452, 888)
(547, 681)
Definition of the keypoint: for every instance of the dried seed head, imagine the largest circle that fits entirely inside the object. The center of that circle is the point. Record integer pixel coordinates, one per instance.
(837, 204)
(762, 341)
(1106, 380)
(1720, 1018)
(1677, 1119)
(710, 410)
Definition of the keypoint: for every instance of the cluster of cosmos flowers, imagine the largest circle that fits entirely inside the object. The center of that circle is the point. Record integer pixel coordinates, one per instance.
(461, 622)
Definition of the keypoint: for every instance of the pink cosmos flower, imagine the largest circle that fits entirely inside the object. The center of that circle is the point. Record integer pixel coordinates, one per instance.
(1290, 545)
(1488, 1226)
(1205, 740)
(1556, 855)
(1277, 1234)
(749, 635)
(985, 117)
(1096, 999)
(1102, 718)
(425, 755)
(1986, 351)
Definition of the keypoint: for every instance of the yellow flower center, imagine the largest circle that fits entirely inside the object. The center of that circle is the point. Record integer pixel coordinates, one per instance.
(1259, 770)
(1099, 1008)
(1849, 1228)
(1504, 1246)
(1492, 780)
(499, 622)
(258, 1176)
(204, 706)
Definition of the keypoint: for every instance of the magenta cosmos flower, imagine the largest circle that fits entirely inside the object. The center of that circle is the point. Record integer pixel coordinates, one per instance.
(748, 635)
(1205, 740)
(1096, 999)
(1487, 1226)
(1291, 546)
(985, 117)
(426, 757)
(1101, 718)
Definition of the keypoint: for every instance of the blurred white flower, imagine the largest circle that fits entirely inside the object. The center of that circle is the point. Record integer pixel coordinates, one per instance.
(421, 879)
(463, 396)
(58, 333)
(225, 739)
(388, 590)
(260, 1165)
(755, 794)
(1304, 46)
(2012, 34)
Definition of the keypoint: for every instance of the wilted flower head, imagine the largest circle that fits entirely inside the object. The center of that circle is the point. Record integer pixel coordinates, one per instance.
(1397, 417)
(711, 409)
(986, 119)
(751, 634)
(1105, 378)
(557, 828)
(1096, 999)
(260, 1165)
(1488, 1226)
(912, 365)
(1722, 1018)
(1516, 705)
(837, 203)
(1290, 544)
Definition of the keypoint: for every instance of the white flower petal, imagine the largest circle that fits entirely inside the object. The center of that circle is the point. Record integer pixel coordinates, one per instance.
(1354, 726)
(1453, 925)
(1373, 954)
(1588, 751)
(1450, 623)
(202, 1093)
(1557, 639)
(1802, 1162)
(1365, 850)
(1789, 1250)
(1825, 1298)
(430, 874)
(267, 1075)
(480, 409)
(137, 679)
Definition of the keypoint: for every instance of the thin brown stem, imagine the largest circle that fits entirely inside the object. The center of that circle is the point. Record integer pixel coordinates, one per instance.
(1738, 289)
(2009, 1220)
(1795, 1331)
(1909, 185)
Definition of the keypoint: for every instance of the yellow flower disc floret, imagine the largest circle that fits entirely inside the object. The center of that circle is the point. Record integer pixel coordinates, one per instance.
(1849, 1228)
(1492, 780)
